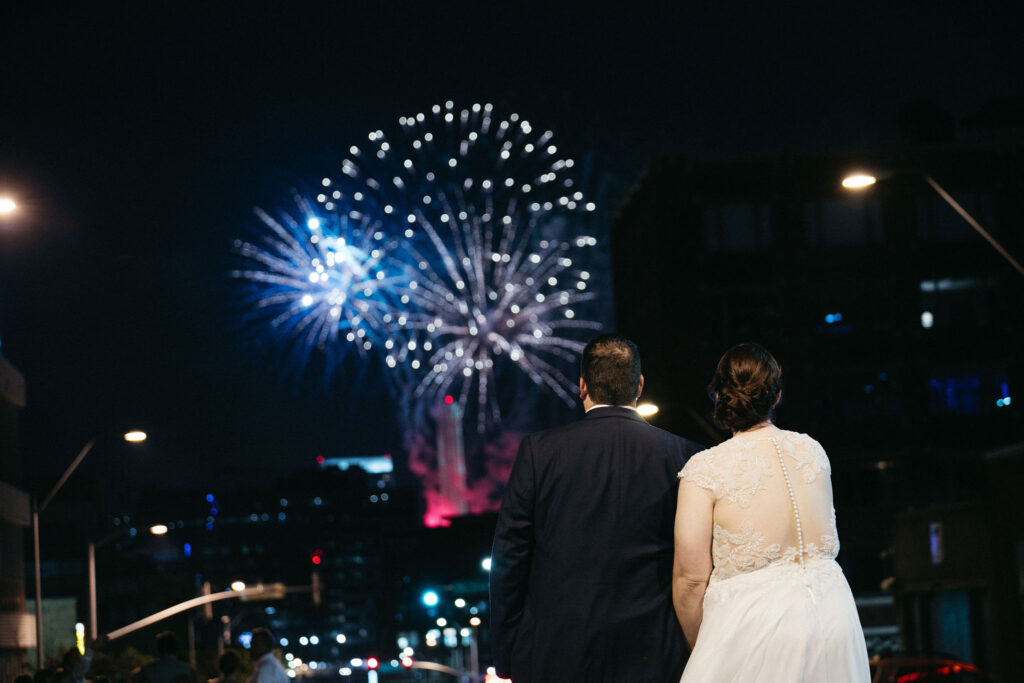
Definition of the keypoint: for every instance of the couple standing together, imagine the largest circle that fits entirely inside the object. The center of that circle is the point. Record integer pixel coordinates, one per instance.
(621, 547)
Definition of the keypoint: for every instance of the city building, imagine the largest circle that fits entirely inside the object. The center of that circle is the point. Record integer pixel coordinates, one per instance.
(17, 628)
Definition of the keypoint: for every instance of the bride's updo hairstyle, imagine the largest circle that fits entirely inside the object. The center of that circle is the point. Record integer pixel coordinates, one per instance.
(745, 387)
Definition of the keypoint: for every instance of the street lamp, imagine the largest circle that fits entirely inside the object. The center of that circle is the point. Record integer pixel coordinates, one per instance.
(859, 181)
(7, 206)
(37, 508)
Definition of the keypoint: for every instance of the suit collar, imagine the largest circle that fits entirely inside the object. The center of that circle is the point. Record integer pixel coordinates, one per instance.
(613, 411)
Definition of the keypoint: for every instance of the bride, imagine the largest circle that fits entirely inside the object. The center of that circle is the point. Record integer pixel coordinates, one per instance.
(755, 584)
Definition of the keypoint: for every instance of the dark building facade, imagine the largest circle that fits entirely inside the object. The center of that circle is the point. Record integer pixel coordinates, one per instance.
(898, 327)
(17, 629)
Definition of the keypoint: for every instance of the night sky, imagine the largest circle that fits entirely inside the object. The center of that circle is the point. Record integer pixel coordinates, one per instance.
(137, 143)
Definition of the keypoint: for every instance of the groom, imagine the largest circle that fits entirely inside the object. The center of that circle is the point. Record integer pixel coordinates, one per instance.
(581, 567)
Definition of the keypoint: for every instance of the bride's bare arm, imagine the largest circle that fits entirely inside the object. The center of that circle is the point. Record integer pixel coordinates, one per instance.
(691, 567)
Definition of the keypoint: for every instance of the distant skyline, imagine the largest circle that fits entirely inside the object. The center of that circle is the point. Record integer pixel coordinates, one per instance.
(138, 142)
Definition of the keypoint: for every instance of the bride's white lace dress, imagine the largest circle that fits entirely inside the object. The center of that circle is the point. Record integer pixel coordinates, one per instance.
(777, 606)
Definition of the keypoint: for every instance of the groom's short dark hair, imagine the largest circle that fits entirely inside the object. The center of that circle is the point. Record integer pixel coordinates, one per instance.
(611, 369)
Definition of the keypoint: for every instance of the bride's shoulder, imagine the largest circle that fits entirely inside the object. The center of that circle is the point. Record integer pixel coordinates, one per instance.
(800, 439)
(807, 451)
(701, 465)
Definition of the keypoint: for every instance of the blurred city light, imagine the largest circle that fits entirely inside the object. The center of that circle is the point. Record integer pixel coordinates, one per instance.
(135, 436)
(486, 564)
(158, 529)
(430, 598)
(460, 603)
(493, 677)
(927, 319)
(7, 205)
(858, 180)
(372, 663)
(238, 585)
(647, 409)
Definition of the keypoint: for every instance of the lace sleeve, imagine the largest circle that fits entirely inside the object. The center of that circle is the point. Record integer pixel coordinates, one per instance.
(699, 470)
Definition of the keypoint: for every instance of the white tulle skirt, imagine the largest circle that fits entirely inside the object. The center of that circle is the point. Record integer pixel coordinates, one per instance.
(780, 624)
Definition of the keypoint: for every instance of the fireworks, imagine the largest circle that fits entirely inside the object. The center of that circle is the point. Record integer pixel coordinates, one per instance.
(317, 281)
(454, 248)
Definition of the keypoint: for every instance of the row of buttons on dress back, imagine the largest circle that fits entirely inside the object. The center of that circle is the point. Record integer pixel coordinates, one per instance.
(792, 497)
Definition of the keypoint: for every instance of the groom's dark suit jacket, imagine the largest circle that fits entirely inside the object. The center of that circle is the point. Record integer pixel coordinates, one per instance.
(581, 569)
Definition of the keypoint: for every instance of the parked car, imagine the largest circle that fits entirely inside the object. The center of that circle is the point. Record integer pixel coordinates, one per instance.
(924, 669)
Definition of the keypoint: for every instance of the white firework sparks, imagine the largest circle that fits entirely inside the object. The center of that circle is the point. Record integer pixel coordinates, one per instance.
(481, 220)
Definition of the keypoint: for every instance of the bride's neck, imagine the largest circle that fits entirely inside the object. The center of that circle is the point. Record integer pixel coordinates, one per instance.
(758, 426)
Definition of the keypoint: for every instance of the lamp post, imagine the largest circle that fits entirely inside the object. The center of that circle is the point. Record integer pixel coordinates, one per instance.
(37, 508)
(94, 632)
(859, 181)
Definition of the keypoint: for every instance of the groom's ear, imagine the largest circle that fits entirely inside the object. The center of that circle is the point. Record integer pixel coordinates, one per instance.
(583, 389)
(640, 387)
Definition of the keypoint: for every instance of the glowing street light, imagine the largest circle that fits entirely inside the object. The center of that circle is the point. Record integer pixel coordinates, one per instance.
(135, 436)
(238, 585)
(7, 206)
(859, 181)
(646, 409)
(158, 529)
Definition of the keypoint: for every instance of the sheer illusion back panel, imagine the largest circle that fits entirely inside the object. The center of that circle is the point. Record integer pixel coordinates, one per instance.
(755, 523)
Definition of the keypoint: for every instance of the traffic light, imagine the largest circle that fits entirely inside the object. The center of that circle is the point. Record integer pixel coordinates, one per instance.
(317, 556)
(372, 663)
